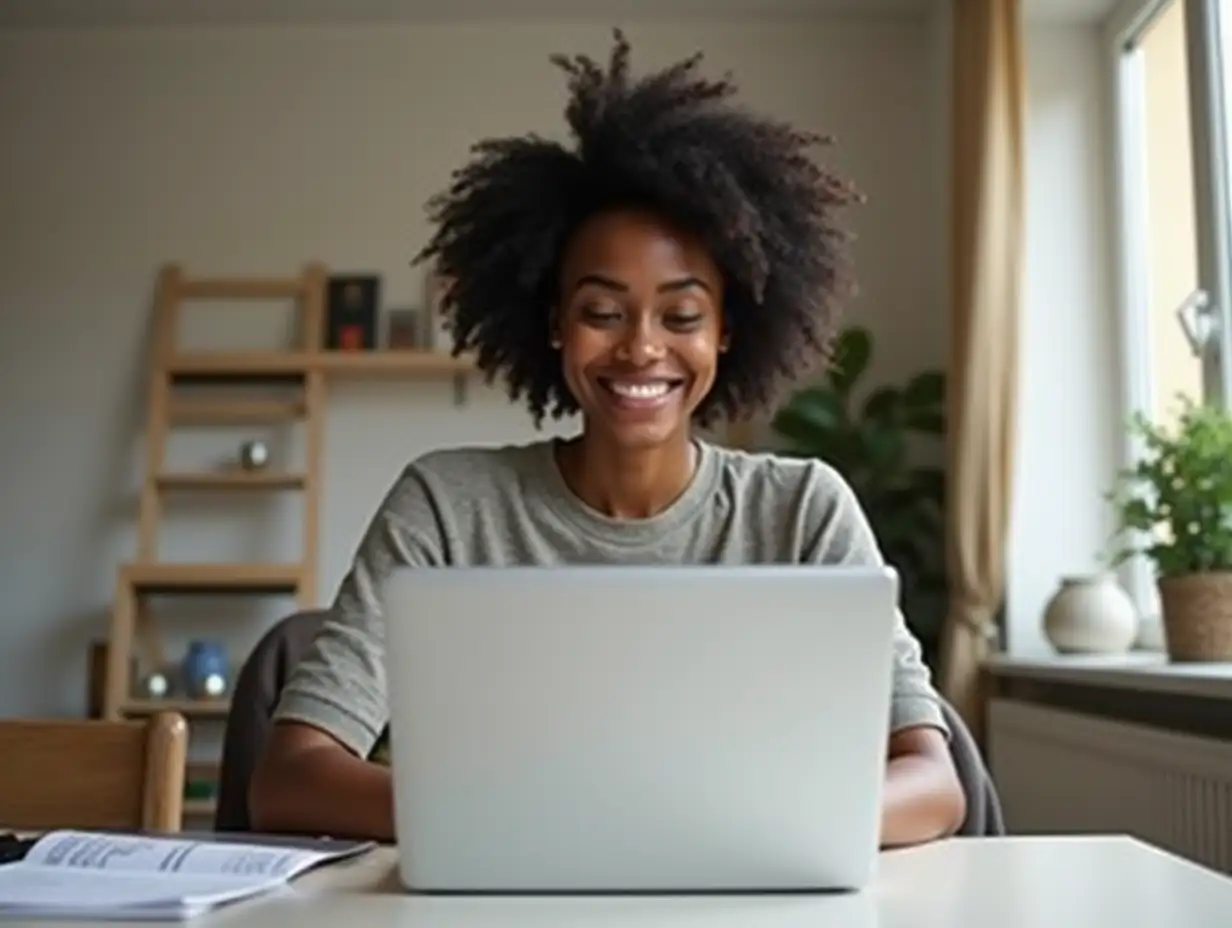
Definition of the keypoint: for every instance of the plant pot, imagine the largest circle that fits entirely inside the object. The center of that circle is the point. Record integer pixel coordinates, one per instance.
(1197, 616)
(1091, 615)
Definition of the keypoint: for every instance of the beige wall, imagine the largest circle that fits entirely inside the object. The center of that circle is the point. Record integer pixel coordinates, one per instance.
(251, 150)
(1068, 435)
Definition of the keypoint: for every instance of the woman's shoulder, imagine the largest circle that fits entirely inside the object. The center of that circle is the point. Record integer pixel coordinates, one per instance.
(483, 462)
(806, 498)
(480, 473)
(771, 473)
(460, 477)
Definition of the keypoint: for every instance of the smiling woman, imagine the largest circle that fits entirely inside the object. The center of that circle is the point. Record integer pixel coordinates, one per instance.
(677, 265)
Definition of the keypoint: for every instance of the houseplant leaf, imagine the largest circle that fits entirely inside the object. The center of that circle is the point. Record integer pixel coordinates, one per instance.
(853, 351)
(811, 420)
(884, 404)
(925, 390)
(1173, 506)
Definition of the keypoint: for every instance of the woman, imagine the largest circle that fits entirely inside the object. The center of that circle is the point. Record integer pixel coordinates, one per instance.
(667, 271)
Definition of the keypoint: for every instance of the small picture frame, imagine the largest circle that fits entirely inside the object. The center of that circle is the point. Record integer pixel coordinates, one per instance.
(351, 312)
(403, 329)
(439, 335)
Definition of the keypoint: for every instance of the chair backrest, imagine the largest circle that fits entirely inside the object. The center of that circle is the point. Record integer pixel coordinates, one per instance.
(254, 697)
(93, 773)
(984, 817)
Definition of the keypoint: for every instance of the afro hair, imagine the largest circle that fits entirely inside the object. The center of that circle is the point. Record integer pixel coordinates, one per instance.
(674, 143)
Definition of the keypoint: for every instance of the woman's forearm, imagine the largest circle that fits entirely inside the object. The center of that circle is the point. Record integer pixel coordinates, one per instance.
(922, 800)
(322, 790)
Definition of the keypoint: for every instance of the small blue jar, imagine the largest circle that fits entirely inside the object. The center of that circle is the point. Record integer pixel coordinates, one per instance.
(205, 669)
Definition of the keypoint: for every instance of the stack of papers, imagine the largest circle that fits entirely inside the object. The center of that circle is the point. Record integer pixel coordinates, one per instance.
(100, 875)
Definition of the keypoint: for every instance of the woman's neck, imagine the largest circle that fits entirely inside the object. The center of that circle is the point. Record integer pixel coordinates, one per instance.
(627, 484)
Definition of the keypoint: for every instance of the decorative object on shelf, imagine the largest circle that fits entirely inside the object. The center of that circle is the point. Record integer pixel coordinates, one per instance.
(1091, 614)
(440, 335)
(205, 670)
(1174, 507)
(351, 312)
(868, 444)
(156, 685)
(254, 455)
(403, 329)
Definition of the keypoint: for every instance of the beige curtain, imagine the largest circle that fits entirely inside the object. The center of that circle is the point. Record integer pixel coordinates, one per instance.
(987, 190)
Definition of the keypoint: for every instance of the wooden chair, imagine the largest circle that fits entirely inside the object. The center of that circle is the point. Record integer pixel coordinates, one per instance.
(69, 773)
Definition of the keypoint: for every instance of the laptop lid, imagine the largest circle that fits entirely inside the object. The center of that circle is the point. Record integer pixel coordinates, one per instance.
(687, 728)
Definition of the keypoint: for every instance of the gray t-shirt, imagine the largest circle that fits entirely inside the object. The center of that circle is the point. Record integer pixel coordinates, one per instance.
(511, 506)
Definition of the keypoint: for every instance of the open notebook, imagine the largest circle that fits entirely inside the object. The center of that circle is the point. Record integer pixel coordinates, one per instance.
(101, 875)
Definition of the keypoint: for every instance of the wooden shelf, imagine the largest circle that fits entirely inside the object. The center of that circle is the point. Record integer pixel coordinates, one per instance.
(213, 578)
(235, 411)
(238, 366)
(241, 288)
(410, 364)
(234, 397)
(280, 366)
(239, 480)
(189, 708)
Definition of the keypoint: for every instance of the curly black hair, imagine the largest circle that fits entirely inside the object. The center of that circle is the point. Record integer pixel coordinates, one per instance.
(671, 142)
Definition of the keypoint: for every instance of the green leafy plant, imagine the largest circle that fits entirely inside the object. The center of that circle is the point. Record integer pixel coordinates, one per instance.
(1174, 505)
(873, 442)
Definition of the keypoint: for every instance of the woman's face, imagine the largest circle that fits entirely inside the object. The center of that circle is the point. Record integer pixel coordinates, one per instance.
(639, 326)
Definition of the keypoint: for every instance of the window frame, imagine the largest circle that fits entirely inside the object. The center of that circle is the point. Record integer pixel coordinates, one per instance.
(1208, 26)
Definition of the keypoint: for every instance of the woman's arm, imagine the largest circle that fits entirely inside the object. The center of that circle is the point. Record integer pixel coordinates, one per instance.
(308, 783)
(923, 798)
(313, 775)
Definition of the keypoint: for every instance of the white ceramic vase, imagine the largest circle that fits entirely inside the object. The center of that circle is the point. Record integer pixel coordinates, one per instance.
(1091, 614)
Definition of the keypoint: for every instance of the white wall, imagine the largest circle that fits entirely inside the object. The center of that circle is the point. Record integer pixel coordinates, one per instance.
(253, 150)
(1069, 408)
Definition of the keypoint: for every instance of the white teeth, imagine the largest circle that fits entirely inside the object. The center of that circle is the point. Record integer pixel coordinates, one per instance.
(641, 391)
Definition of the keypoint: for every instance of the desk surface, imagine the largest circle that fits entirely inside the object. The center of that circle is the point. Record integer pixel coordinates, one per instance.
(1020, 882)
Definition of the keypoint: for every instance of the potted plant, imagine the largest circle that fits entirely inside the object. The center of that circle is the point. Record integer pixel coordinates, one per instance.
(872, 440)
(1174, 506)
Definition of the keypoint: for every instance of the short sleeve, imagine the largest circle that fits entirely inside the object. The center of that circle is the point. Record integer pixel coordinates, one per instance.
(843, 535)
(339, 686)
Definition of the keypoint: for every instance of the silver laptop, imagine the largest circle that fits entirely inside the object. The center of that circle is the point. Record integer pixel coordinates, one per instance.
(639, 729)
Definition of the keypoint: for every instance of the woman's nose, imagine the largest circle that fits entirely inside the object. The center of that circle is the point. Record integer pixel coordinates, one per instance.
(641, 344)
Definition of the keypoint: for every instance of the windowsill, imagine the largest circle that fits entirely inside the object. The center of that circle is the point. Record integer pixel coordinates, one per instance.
(1143, 671)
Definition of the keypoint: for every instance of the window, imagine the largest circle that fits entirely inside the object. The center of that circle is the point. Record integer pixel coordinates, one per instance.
(1173, 75)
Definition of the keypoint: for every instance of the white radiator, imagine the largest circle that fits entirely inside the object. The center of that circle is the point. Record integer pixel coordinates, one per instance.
(1066, 772)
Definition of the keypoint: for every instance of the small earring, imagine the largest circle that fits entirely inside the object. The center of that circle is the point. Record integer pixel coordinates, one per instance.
(556, 343)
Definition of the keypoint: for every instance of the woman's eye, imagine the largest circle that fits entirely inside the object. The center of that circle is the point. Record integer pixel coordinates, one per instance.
(683, 320)
(600, 313)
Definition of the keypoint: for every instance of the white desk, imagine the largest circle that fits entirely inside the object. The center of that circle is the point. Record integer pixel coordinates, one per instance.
(963, 883)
